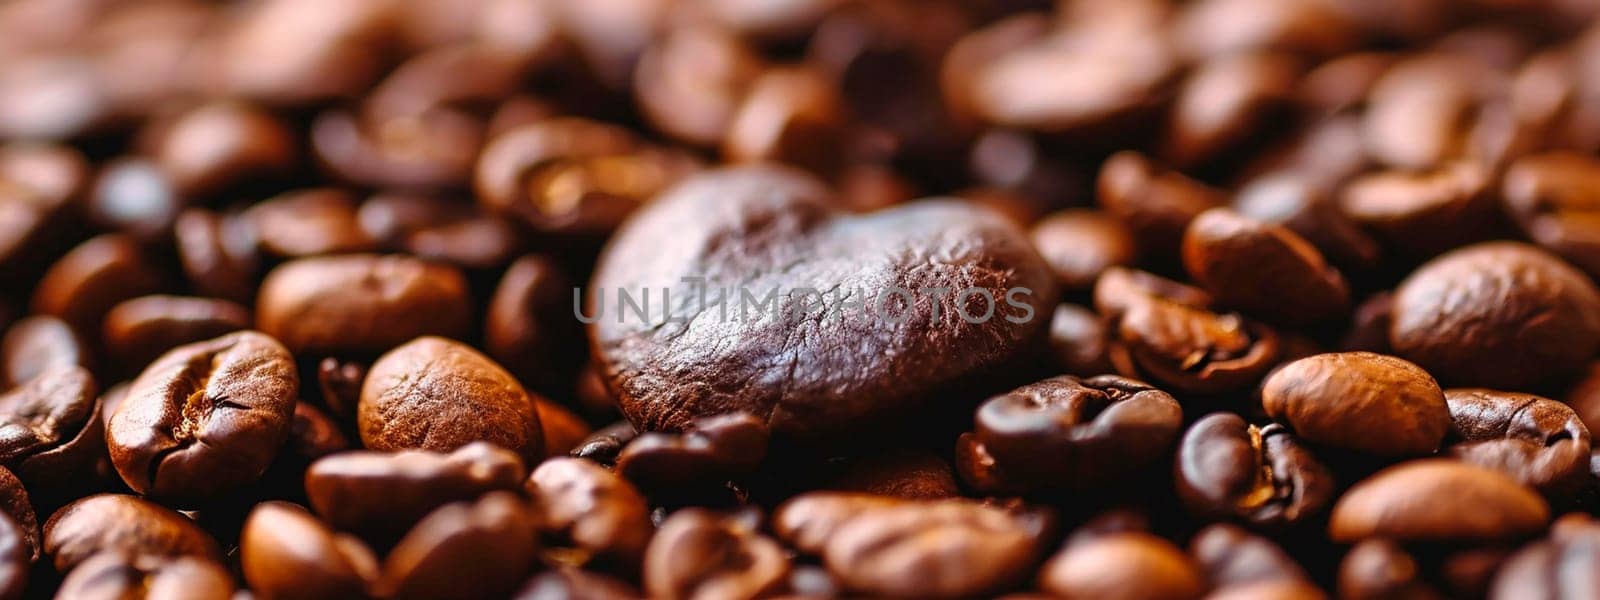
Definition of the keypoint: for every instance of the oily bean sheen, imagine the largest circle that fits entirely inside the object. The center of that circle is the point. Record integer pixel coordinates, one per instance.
(1231, 556)
(598, 511)
(287, 553)
(205, 418)
(382, 494)
(362, 304)
(1262, 269)
(699, 554)
(1122, 565)
(121, 523)
(139, 330)
(121, 576)
(1537, 441)
(1359, 401)
(493, 539)
(1437, 500)
(760, 229)
(16, 557)
(1265, 476)
(436, 394)
(50, 426)
(1562, 565)
(1503, 315)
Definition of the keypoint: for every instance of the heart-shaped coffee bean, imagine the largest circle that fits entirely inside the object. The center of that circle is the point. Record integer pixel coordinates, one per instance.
(829, 321)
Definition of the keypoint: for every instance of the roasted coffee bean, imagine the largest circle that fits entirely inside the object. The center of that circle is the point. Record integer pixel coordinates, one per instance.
(1078, 339)
(206, 418)
(563, 430)
(1559, 566)
(50, 427)
(82, 286)
(699, 554)
(1295, 200)
(1377, 568)
(1156, 204)
(139, 330)
(123, 576)
(308, 223)
(134, 196)
(379, 495)
(910, 475)
(1064, 430)
(1221, 27)
(360, 303)
(1437, 500)
(218, 253)
(285, 552)
(605, 444)
(526, 325)
(121, 523)
(1359, 401)
(35, 344)
(1418, 112)
(784, 234)
(690, 83)
(566, 583)
(436, 394)
(1262, 269)
(255, 60)
(1500, 314)
(1264, 476)
(16, 557)
(475, 243)
(218, 145)
(1549, 197)
(1136, 565)
(1427, 212)
(592, 509)
(714, 449)
(494, 539)
(1234, 558)
(1225, 102)
(15, 505)
(1537, 441)
(1118, 289)
(339, 383)
(1369, 325)
(867, 541)
(791, 115)
(1188, 348)
(1079, 244)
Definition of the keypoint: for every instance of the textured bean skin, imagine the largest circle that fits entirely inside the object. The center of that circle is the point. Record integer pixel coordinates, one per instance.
(436, 394)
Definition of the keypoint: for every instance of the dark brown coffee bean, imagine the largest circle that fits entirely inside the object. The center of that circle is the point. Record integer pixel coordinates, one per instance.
(360, 303)
(563, 429)
(1188, 348)
(1118, 289)
(605, 444)
(480, 242)
(791, 115)
(92, 278)
(1559, 566)
(206, 418)
(1500, 315)
(1213, 28)
(379, 495)
(1126, 564)
(567, 583)
(899, 474)
(1369, 325)
(1064, 430)
(1296, 200)
(134, 196)
(981, 549)
(16, 557)
(1078, 339)
(287, 553)
(1225, 103)
(308, 223)
(714, 449)
(1548, 195)
(390, 217)
(785, 234)
(121, 523)
(218, 253)
(1020, 176)
(1437, 500)
(1079, 244)
(1263, 476)
(257, 60)
(1156, 204)
(436, 394)
(50, 428)
(591, 509)
(125, 576)
(494, 539)
(700, 554)
(1377, 569)
(1419, 109)
(527, 326)
(313, 434)
(690, 83)
(1234, 558)
(1537, 441)
(15, 504)
(339, 383)
(35, 344)
(218, 145)
(1424, 213)
(139, 330)
(1262, 269)
(1359, 401)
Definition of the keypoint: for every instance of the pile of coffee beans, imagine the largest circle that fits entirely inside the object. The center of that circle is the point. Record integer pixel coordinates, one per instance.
(738, 299)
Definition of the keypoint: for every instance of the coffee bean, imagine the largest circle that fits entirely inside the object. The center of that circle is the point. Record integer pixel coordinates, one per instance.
(121, 523)
(1369, 326)
(17, 507)
(566, 583)
(562, 429)
(1220, 27)
(35, 344)
(493, 538)
(699, 554)
(218, 253)
(1225, 103)
(436, 394)
(220, 145)
(50, 427)
(595, 511)
(1559, 566)
(308, 223)
(1262, 269)
(134, 196)
(900, 474)
(1264, 476)
(526, 324)
(1233, 558)
(339, 383)
(1360, 401)
(1118, 289)
(784, 234)
(476, 243)
(257, 59)
(1437, 500)
(1188, 348)
(1299, 202)
(713, 450)
(139, 330)
(792, 115)
(1078, 339)
(1155, 203)
(691, 82)
(82, 286)
(1425, 212)
(127, 576)
(1546, 194)
(206, 418)
(362, 304)
(1379, 568)
(1079, 244)
(1500, 314)
(286, 552)
(605, 444)
(17, 552)
(1064, 430)
(1129, 564)
(379, 495)
(1537, 441)
(1418, 109)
